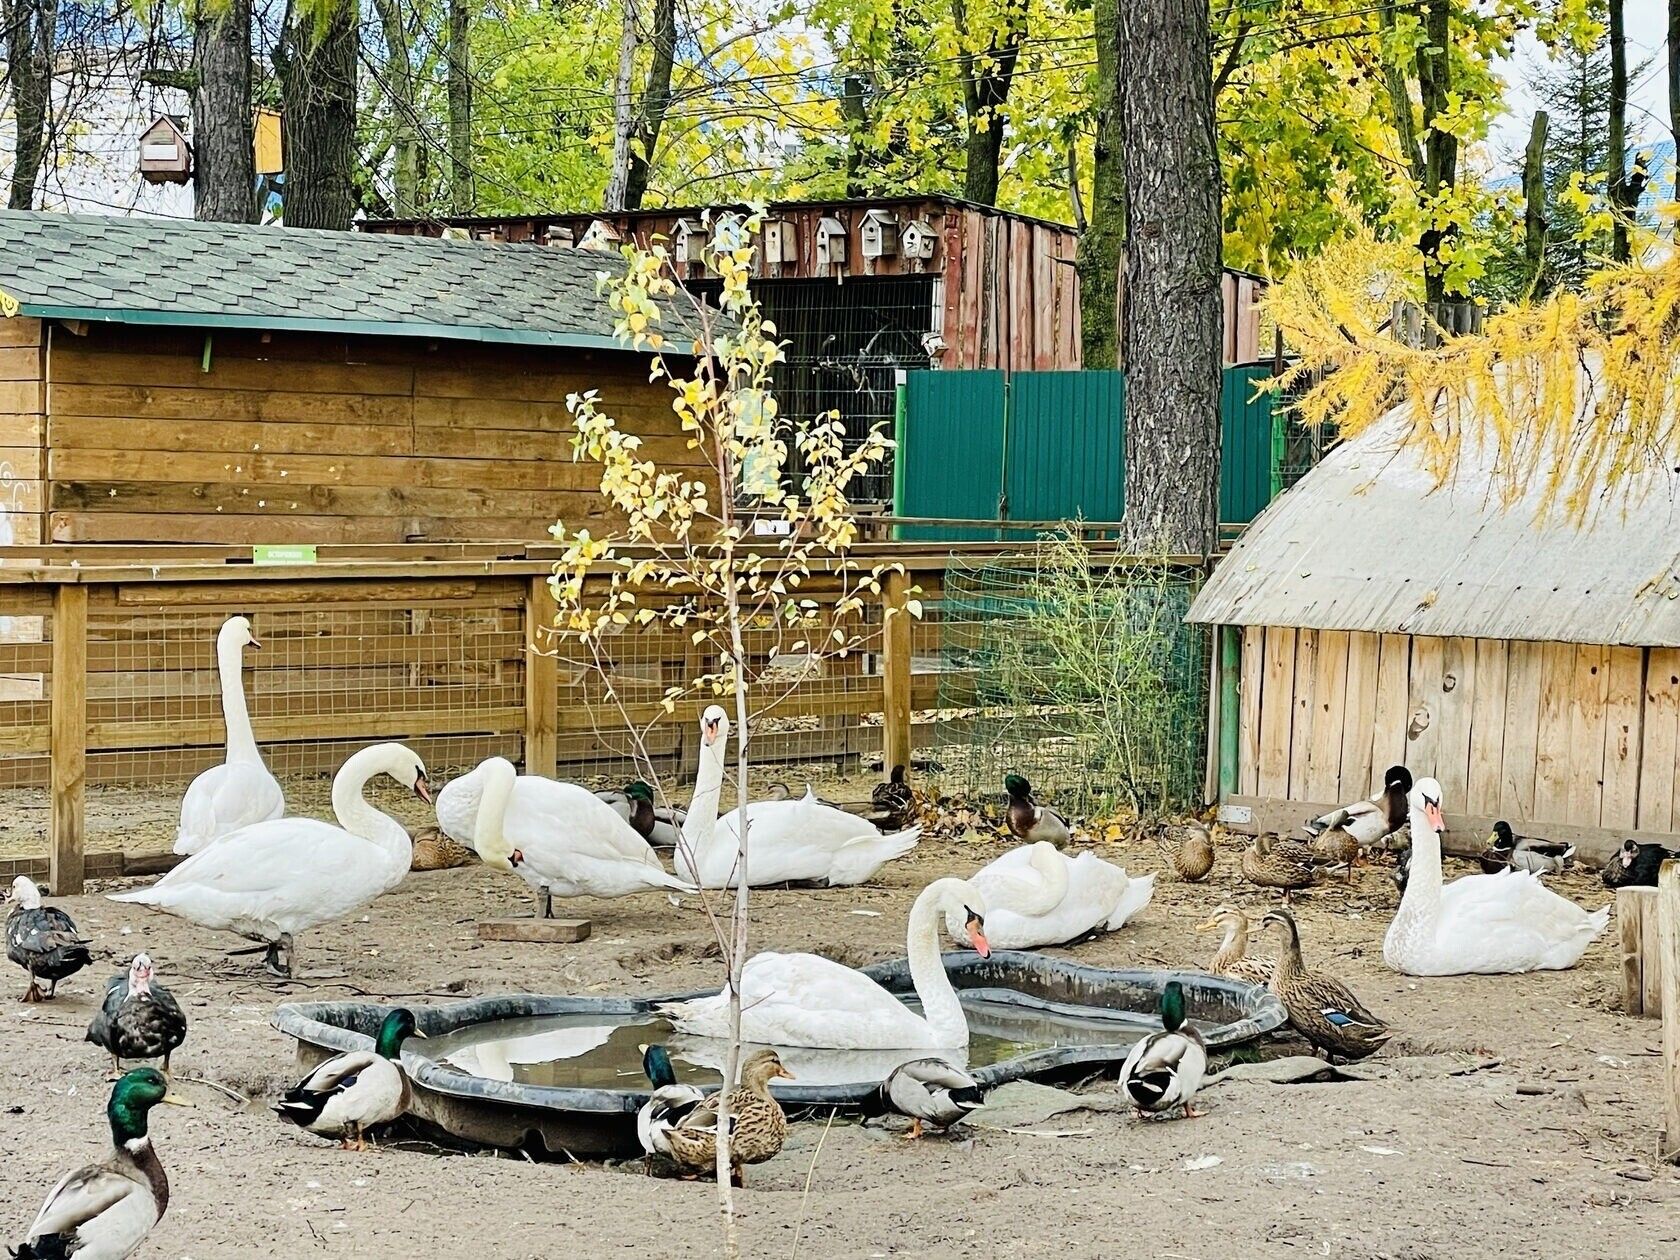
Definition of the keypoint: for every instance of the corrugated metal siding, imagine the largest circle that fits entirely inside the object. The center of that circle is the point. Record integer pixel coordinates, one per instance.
(1366, 541)
(951, 452)
(1067, 446)
(1246, 472)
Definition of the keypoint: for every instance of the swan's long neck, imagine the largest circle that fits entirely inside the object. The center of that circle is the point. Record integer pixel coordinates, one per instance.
(230, 664)
(1422, 898)
(944, 1014)
(493, 798)
(701, 820)
(359, 818)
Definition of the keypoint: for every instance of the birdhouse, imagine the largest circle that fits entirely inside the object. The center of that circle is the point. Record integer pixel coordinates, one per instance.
(558, 237)
(879, 234)
(267, 147)
(831, 243)
(918, 239)
(688, 240)
(778, 241)
(600, 235)
(729, 232)
(165, 155)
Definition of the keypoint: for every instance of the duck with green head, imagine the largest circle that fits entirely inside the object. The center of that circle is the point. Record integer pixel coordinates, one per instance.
(1166, 1068)
(352, 1092)
(1031, 821)
(669, 1105)
(105, 1210)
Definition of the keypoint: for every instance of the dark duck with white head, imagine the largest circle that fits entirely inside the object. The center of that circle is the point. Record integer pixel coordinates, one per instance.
(140, 1019)
(43, 940)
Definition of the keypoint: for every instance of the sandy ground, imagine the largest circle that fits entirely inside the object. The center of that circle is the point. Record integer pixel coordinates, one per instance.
(1553, 1148)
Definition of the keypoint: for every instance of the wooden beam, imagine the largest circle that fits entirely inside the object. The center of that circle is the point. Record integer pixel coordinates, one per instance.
(66, 813)
(541, 678)
(1668, 916)
(1632, 907)
(895, 674)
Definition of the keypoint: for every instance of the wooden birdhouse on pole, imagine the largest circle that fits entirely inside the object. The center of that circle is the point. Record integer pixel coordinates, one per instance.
(165, 155)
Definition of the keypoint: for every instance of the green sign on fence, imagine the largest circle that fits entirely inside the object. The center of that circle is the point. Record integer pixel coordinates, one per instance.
(283, 553)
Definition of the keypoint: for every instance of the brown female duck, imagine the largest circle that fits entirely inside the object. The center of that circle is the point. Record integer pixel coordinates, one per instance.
(757, 1124)
(1321, 1008)
(1272, 862)
(1192, 857)
(1231, 958)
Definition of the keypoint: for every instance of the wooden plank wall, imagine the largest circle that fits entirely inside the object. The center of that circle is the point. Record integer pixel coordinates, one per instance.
(22, 496)
(1537, 733)
(313, 438)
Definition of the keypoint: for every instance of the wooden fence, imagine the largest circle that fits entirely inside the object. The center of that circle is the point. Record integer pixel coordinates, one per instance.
(108, 676)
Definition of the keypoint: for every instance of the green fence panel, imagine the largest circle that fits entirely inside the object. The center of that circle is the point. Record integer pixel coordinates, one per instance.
(951, 449)
(1066, 449)
(1247, 457)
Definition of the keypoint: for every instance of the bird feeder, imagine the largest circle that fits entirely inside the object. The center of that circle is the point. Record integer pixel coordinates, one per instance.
(918, 239)
(831, 243)
(688, 239)
(165, 155)
(879, 234)
(600, 235)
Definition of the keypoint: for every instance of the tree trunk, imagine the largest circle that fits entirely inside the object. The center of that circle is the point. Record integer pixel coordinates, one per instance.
(1618, 173)
(1440, 148)
(856, 113)
(31, 28)
(405, 127)
(224, 167)
(987, 77)
(1534, 202)
(1170, 328)
(461, 196)
(1101, 242)
(624, 111)
(316, 64)
(656, 100)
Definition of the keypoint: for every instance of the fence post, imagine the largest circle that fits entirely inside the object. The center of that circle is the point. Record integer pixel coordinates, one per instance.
(1668, 921)
(895, 674)
(66, 813)
(542, 679)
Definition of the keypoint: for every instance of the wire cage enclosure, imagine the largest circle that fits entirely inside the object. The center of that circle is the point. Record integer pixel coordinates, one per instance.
(1078, 673)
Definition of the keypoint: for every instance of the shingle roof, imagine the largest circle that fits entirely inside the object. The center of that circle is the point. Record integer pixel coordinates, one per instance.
(167, 271)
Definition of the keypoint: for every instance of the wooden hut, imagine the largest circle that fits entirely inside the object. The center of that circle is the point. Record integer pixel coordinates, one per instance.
(1532, 665)
(181, 382)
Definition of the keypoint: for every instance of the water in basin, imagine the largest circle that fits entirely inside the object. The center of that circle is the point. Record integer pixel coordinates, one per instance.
(598, 1051)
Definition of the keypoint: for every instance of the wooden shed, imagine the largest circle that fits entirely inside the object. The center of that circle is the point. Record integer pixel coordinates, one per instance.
(181, 382)
(1530, 664)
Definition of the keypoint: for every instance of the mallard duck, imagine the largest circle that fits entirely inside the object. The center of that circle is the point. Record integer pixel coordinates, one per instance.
(352, 1092)
(1524, 853)
(1231, 958)
(1321, 1008)
(240, 791)
(1483, 924)
(893, 802)
(43, 940)
(139, 1018)
(1031, 821)
(1165, 1069)
(1635, 865)
(660, 826)
(1192, 857)
(757, 1125)
(103, 1211)
(930, 1091)
(1275, 863)
(1366, 822)
(434, 851)
(667, 1108)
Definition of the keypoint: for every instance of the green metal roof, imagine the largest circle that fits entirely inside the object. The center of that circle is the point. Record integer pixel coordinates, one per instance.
(230, 275)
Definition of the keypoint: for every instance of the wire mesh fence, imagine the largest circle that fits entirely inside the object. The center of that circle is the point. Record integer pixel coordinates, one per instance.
(1080, 676)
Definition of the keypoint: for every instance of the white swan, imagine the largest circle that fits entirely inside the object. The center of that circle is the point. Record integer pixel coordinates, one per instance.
(272, 880)
(796, 841)
(240, 791)
(570, 842)
(1037, 895)
(1487, 924)
(805, 1000)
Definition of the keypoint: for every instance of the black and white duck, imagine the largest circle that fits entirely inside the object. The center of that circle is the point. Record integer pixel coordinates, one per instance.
(1364, 823)
(104, 1211)
(1031, 821)
(352, 1092)
(1165, 1069)
(930, 1091)
(43, 940)
(669, 1106)
(1524, 853)
(139, 1019)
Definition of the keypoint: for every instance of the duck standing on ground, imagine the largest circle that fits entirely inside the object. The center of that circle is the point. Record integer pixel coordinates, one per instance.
(1481, 924)
(669, 1106)
(139, 1018)
(757, 1124)
(1524, 853)
(1635, 865)
(1272, 862)
(1231, 958)
(893, 802)
(1031, 821)
(1192, 857)
(105, 1210)
(352, 1092)
(930, 1091)
(1321, 1008)
(43, 940)
(1365, 823)
(240, 791)
(1165, 1069)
